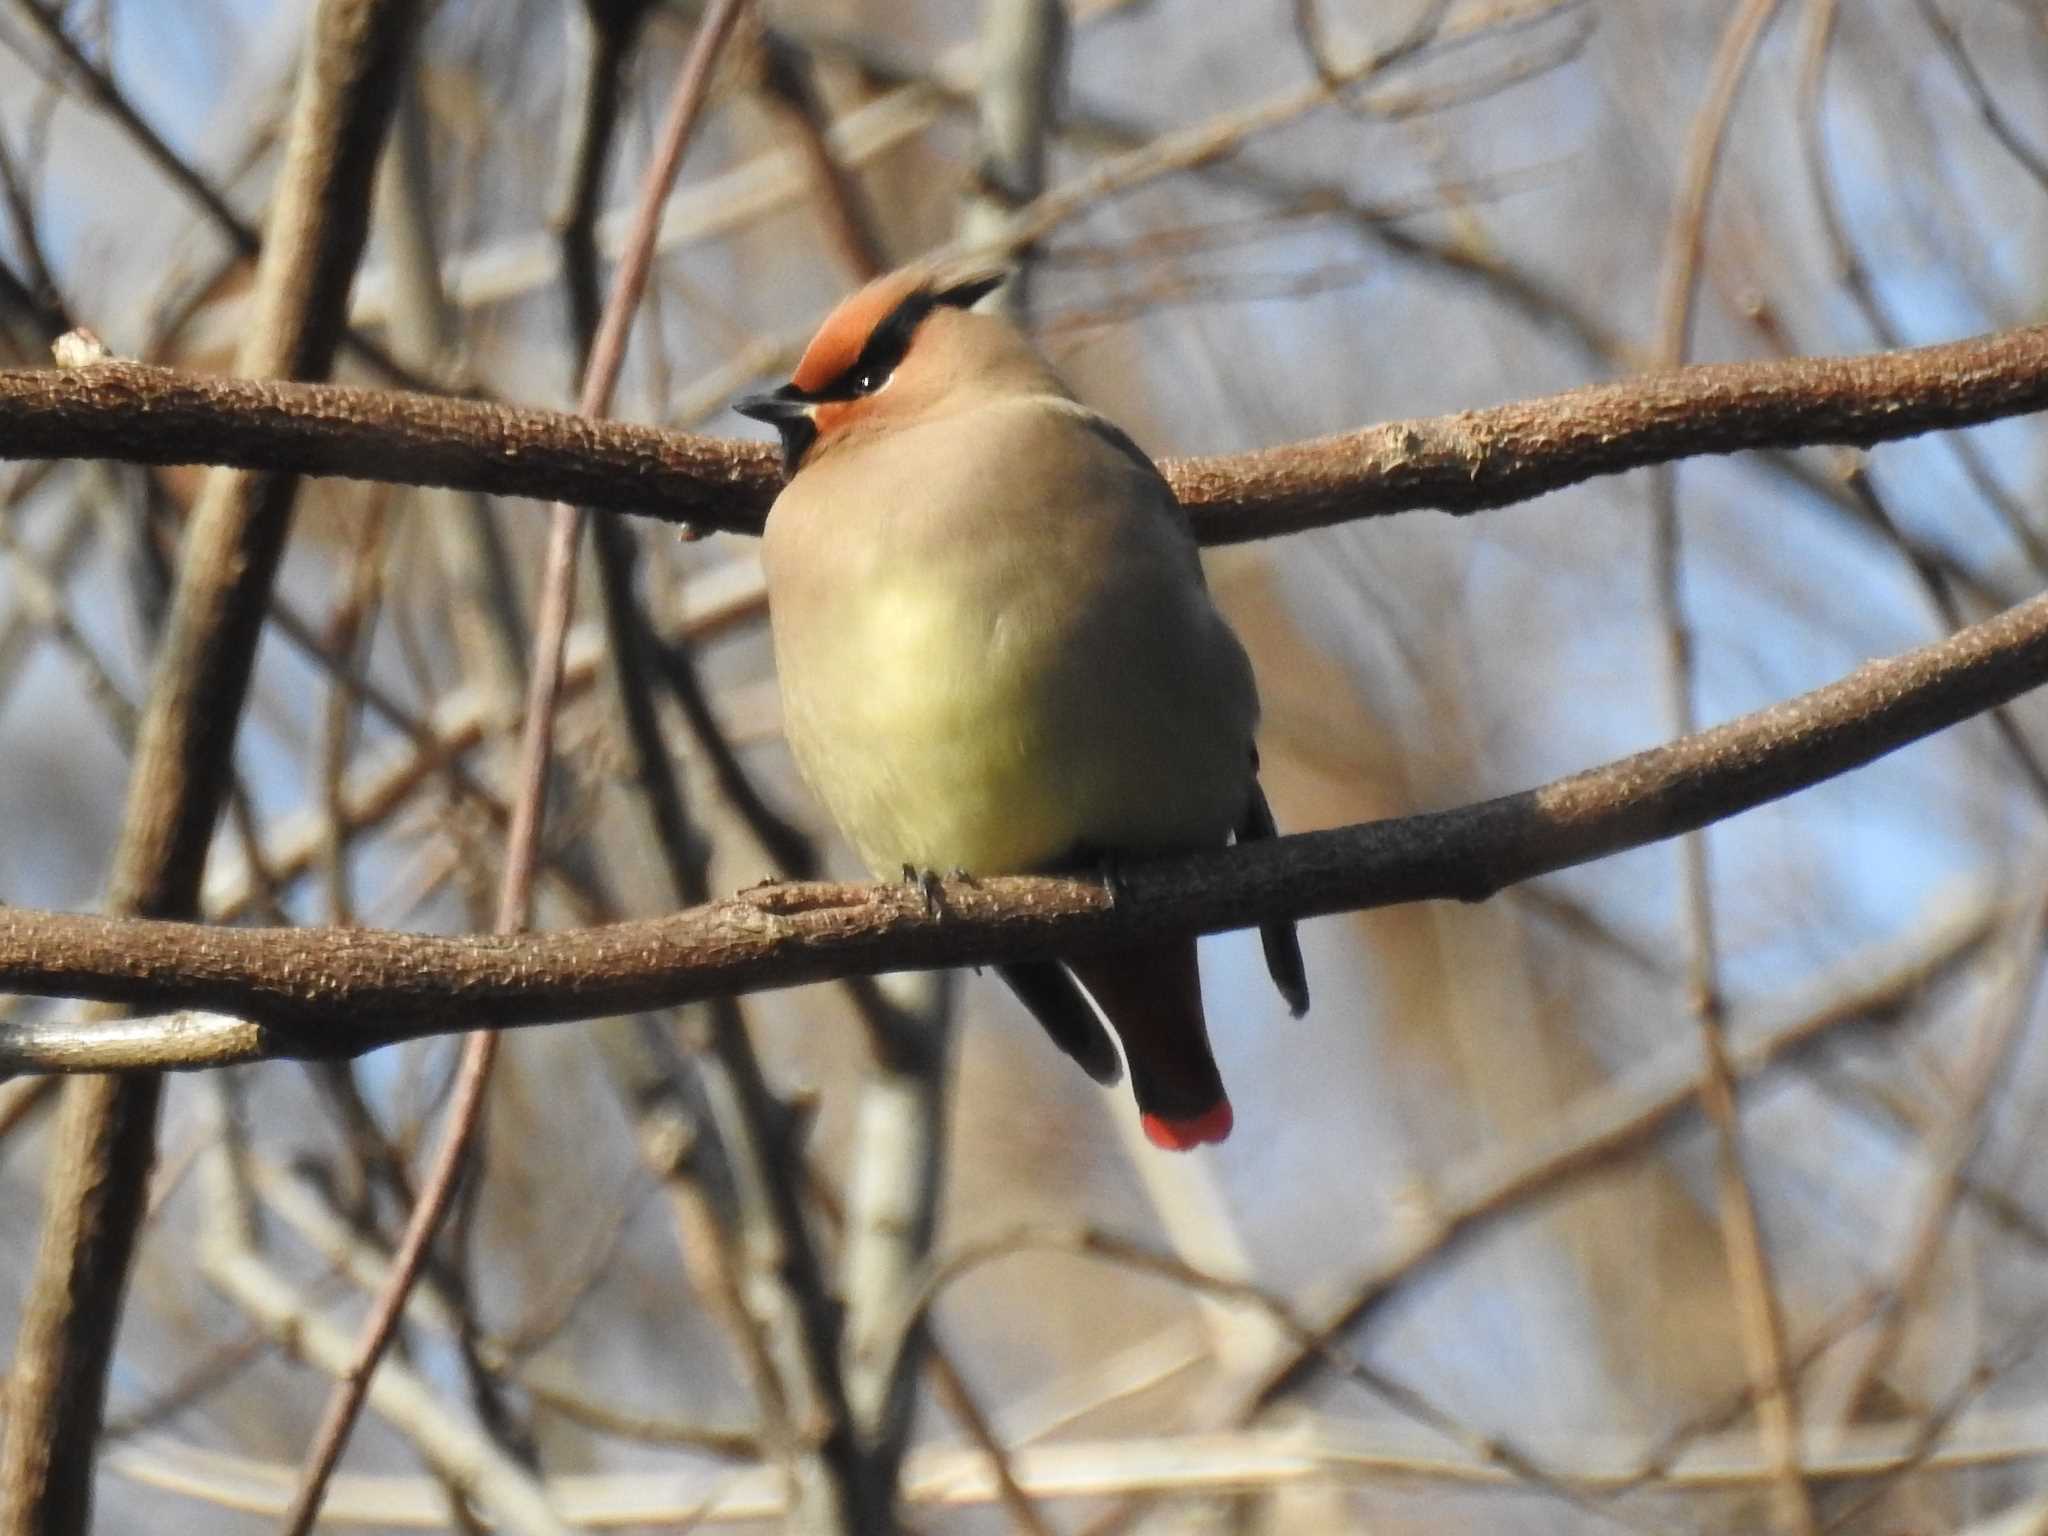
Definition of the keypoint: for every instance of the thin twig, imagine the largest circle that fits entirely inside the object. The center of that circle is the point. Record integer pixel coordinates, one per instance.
(1816, 40)
(2003, 129)
(522, 841)
(1759, 1315)
(753, 1260)
(1950, 1155)
(850, 224)
(425, 336)
(458, 1452)
(95, 1193)
(1940, 592)
(1318, 1450)
(1023, 67)
(101, 88)
(1494, 1451)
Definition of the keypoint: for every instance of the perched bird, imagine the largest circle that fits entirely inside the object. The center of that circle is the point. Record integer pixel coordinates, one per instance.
(997, 653)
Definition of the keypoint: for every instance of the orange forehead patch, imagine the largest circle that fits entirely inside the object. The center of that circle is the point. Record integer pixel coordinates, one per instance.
(847, 329)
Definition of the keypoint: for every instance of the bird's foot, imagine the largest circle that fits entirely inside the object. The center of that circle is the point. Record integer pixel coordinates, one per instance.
(930, 885)
(1110, 869)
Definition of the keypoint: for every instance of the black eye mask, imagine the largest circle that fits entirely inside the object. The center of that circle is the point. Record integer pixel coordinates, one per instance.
(891, 339)
(788, 409)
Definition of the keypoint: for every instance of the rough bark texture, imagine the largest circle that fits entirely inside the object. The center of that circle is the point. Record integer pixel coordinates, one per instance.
(1466, 462)
(311, 992)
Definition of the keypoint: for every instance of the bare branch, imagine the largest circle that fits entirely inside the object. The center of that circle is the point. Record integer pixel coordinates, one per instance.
(790, 91)
(1621, 1119)
(1985, 1069)
(1466, 462)
(327, 993)
(458, 1451)
(100, 86)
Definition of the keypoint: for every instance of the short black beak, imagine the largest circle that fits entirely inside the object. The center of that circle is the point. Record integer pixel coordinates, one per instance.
(788, 411)
(775, 407)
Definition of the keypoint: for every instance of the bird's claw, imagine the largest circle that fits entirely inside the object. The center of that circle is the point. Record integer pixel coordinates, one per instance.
(1110, 869)
(930, 885)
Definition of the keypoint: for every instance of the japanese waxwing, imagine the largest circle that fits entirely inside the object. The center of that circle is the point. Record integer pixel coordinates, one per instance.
(997, 654)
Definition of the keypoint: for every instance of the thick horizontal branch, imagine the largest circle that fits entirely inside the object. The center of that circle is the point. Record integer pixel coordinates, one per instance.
(143, 414)
(1476, 460)
(1460, 463)
(320, 992)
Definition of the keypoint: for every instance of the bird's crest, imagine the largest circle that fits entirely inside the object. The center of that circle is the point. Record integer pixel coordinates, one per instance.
(873, 327)
(856, 351)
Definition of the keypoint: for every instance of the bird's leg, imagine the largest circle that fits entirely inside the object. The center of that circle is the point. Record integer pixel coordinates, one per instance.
(930, 885)
(1109, 869)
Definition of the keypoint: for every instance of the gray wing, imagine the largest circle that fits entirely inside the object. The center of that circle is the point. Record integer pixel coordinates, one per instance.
(1279, 940)
(1055, 999)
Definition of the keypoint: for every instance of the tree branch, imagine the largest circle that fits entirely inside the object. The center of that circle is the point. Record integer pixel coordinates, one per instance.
(1466, 462)
(318, 993)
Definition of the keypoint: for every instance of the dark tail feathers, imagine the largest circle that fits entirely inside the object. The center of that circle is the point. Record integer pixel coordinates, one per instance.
(1153, 996)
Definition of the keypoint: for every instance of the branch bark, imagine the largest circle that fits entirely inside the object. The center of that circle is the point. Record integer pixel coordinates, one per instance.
(1466, 462)
(319, 993)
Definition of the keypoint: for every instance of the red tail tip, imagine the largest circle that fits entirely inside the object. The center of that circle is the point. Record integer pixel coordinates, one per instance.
(1212, 1124)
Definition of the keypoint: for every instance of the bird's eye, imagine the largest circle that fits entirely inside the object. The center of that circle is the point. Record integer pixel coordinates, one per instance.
(868, 380)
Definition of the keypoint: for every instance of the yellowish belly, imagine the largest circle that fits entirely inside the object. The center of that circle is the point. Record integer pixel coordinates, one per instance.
(940, 739)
